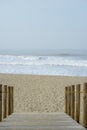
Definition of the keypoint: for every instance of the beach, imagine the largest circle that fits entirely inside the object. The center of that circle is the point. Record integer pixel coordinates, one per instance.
(37, 93)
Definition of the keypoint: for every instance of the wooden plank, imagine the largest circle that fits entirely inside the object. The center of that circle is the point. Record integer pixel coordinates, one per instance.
(5, 104)
(69, 100)
(8, 100)
(12, 99)
(77, 103)
(72, 100)
(65, 99)
(40, 121)
(1, 102)
(85, 105)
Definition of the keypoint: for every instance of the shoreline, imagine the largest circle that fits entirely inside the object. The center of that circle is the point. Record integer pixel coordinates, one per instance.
(42, 75)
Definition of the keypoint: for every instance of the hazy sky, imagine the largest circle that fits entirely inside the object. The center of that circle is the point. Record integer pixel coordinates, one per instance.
(43, 24)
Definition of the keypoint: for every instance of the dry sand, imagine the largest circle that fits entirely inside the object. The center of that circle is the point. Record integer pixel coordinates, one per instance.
(39, 93)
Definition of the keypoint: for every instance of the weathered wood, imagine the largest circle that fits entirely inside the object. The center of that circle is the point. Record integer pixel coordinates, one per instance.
(69, 100)
(1, 102)
(72, 100)
(40, 121)
(8, 100)
(77, 103)
(85, 105)
(12, 99)
(65, 99)
(5, 101)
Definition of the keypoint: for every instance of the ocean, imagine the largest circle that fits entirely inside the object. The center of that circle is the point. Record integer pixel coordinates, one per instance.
(57, 62)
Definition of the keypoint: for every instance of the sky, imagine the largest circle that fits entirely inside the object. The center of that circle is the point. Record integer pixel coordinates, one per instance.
(43, 24)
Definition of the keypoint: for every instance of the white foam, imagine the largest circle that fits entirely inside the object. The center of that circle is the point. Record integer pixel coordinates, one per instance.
(55, 65)
(41, 60)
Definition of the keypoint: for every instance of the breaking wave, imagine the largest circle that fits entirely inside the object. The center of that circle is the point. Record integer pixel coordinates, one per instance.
(42, 60)
(50, 65)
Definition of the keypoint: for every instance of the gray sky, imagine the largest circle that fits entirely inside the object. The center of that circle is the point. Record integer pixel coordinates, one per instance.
(43, 24)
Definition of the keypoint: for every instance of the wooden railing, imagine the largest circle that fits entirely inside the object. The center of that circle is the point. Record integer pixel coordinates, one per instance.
(73, 102)
(6, 101)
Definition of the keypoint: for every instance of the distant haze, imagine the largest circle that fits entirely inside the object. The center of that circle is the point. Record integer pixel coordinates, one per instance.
(43, 24)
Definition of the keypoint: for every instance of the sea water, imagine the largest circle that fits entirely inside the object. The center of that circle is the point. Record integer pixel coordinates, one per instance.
(69, 63)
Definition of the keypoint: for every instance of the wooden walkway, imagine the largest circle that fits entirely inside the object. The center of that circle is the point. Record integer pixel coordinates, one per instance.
(41, 121)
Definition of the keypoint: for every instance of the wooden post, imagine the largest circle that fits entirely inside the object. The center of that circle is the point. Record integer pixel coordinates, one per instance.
(5, 101)
(77, 103)
(72, 100)
(65, 99)
(1, 103)
(85, 105)
(12, 99)
(8, 100)
(69, 100)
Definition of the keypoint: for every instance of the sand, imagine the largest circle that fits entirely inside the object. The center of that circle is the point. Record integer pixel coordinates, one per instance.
(34, 93)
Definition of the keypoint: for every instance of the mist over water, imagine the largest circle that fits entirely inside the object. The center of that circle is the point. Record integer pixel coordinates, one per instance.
(57, 62)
